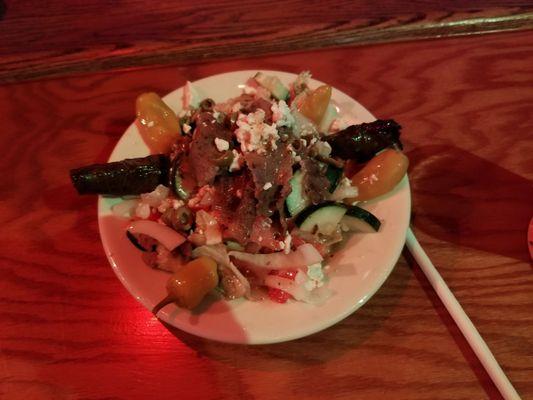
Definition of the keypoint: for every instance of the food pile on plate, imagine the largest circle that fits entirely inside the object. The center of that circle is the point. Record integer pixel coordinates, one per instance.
(247, 197)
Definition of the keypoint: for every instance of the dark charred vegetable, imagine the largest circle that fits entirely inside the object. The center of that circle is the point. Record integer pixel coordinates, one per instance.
(362, 142)
(126, 177)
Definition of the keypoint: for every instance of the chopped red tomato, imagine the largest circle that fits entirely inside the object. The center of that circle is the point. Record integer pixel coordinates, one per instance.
(279, 295)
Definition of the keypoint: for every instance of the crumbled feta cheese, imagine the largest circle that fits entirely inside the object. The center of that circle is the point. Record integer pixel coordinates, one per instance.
(216, 114)
(323, 148)
(281, 114)
(142, 210)
(297, 158)
(313, 141)
(155, 197)
(254, 134)
(236, 162)
(221, 144)
(287, 243)
(186, 128)
(177, 204)
(267, 186)
(315, 277)
(314, 271)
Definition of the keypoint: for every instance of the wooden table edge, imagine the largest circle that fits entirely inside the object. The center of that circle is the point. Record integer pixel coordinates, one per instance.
(158, 53)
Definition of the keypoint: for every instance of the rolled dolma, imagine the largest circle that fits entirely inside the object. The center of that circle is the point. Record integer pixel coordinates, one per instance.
(362, 142)
(126, 177)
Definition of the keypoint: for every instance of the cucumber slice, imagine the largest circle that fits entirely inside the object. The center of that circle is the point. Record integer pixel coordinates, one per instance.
(324, 217)
(358, 219)
(296, 200)
(272, 83)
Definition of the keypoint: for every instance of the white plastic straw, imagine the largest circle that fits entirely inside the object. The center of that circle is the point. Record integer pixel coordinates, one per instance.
(461, 319)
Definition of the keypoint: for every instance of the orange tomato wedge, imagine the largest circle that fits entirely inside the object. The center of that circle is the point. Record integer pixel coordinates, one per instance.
(315, 104)
(157, 123)
(380, 175)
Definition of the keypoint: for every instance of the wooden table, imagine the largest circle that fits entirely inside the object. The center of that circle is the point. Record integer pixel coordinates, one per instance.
(69, 330)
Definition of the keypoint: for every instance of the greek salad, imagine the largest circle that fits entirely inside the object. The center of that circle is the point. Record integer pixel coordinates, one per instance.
(249, 197)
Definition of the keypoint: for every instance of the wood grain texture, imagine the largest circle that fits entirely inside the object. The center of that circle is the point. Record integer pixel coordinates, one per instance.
(55, 37)
(69, 330)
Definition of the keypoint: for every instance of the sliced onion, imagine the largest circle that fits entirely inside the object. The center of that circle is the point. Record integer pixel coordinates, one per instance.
(168, 237)
(303, 256)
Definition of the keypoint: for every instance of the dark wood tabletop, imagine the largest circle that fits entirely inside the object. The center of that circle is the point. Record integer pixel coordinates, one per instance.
(70, 330)
(56, 38)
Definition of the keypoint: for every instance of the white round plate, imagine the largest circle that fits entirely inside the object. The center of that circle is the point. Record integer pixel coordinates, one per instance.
(359, 268)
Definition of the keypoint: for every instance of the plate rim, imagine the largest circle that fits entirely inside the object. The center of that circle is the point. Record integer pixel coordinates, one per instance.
(164, 316)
